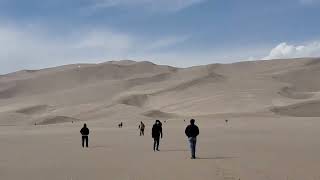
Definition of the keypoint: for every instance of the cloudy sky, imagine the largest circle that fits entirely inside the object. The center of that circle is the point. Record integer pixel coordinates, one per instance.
(41, 33)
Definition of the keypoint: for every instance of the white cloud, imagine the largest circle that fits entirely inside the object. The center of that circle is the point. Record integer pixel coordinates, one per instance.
(153, 5)
(284, 50)
(33, 47)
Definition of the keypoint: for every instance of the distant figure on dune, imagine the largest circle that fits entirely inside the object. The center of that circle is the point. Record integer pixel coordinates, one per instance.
(156, 134)
(85, 133)
(120, 125)
(192, 131)
(141, 128)
(226, 120)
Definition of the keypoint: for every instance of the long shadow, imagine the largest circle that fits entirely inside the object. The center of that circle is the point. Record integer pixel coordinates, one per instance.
(99, 147)
(217, 158)
(174, 150)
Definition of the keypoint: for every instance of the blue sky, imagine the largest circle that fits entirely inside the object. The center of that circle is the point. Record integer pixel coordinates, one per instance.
(42, 33)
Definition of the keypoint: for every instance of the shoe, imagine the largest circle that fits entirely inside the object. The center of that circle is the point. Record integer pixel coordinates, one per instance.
(158, 150)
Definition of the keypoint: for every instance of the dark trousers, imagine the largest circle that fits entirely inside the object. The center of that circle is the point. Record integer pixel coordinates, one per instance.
(156, 141)
(85, 139)
(141, 132)
(193, 143)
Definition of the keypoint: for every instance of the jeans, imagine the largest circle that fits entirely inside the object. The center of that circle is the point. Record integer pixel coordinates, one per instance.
(85, 139)
(192, 143)
(156, 141)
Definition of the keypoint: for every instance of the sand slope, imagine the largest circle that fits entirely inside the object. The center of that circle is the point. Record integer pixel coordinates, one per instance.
(89, 90)
(272, 107)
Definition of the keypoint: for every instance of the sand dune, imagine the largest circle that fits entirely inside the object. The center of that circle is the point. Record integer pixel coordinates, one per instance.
(273, 108)
(160, 115)
(213, 89)
(304, 109)
(56, 120)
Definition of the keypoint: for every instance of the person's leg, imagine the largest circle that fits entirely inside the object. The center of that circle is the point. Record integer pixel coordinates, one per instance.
(190, 145)
(87, 141)
(158, 142)
(82, 141)
(142, 132)
(194, 142)
(154, 144)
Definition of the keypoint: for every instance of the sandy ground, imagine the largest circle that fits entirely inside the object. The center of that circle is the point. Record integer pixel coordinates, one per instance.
(245, 148)
(273, 108)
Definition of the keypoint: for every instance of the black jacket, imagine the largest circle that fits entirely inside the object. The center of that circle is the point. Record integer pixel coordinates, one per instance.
(84, 131)
(192, 131)
(156, 131)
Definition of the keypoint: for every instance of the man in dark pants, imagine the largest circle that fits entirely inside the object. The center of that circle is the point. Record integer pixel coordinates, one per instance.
(156, 134)
(192, 131)
(85, 133)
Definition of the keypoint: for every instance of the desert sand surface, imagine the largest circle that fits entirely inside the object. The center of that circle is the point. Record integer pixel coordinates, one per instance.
(273, 108)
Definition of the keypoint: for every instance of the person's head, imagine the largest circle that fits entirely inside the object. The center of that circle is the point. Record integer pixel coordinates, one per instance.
(84, 125)
(192, 121)
(157, 122)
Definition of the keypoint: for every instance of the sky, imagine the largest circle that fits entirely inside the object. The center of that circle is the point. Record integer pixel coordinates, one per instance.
(44, 33)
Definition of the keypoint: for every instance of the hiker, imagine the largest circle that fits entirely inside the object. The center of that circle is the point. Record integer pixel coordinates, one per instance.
(85, 133)
(192, 131)
(141, 128)
(156, 134)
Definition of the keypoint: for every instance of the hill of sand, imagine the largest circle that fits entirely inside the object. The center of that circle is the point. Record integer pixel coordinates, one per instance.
(95, 91)
(273, 109)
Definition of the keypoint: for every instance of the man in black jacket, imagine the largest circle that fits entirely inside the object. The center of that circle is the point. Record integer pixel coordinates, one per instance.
(85, 133)
(156, 134)
(192, 131)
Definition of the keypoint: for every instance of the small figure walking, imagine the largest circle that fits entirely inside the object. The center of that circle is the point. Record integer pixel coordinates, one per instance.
(85, 133)
(141, 128)
(192, 131)
(156, 134)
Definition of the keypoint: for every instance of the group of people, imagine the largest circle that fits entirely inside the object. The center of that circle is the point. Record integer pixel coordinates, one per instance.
(191, 131)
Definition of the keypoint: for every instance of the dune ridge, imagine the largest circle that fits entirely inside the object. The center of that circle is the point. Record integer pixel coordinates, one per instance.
(284, 87)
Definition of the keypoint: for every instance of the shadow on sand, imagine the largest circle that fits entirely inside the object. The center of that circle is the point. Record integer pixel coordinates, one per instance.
(217, 158)
(174, 150)
(99, 147)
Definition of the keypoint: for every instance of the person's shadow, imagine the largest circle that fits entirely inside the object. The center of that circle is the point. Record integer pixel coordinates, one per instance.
(99, 147)
(174, 150)
(218, 157)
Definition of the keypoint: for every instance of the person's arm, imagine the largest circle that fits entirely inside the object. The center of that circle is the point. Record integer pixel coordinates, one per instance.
(186, 131)
(198, 132)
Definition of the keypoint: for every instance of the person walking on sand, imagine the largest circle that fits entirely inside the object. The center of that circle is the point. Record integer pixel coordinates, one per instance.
(85, 133)
(156, 134)
(192, 131)
(141, 128)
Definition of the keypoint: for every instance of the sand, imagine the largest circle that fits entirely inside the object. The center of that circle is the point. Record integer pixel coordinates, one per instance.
(272, 107)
